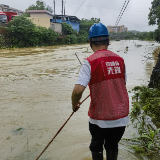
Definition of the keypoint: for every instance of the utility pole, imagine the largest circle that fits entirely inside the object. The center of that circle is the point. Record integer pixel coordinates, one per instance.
(64, 10)
(64, 13)
(62, 7)
(54, 7)
(54, 10)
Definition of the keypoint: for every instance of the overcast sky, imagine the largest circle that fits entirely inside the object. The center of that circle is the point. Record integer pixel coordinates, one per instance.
(135, 16)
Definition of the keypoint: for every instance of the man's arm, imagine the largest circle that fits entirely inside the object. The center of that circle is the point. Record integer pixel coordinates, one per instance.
(81, 84)
(76, 95)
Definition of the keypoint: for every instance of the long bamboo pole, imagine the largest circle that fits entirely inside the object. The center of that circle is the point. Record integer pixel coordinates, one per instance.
(59, 131)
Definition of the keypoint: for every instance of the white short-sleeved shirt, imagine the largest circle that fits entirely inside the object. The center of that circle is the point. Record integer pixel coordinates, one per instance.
(83, 79)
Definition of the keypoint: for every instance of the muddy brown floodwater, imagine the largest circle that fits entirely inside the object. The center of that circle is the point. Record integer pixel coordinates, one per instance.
(36, 86)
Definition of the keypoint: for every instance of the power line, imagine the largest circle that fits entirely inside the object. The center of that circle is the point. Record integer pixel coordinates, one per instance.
(122, 11)
(79, 7)
(111, 8)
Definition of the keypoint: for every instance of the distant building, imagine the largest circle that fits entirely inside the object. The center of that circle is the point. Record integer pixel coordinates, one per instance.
(47, 19)
(117, 29)
(45, 22)
(44, 18)
(6, 8)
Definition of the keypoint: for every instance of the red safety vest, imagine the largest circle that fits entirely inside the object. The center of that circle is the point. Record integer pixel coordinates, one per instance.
(109, 97)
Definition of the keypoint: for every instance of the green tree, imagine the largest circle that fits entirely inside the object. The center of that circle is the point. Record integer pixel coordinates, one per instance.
(49, 8)
(157, 34)
(40, 5)
(142, 35)
(67, 29)
(154, 17)
(85, 24)
(150, 36)
(73, 39)
(23, 33)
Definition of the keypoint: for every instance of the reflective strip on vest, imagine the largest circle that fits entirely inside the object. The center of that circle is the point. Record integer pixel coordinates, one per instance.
(109, 97)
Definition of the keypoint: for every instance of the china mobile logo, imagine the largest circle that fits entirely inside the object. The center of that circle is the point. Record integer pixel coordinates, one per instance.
(112, 68)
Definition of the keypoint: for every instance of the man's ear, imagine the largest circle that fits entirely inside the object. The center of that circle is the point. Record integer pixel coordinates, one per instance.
(90, 44)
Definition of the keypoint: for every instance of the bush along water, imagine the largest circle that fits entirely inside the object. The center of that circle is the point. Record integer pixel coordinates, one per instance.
(21, 32)
(145, 117)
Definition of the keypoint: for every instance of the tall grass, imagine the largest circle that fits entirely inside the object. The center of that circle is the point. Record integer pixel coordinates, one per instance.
(156, 51)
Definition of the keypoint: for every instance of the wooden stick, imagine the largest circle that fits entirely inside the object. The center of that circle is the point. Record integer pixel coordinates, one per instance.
(59, 131)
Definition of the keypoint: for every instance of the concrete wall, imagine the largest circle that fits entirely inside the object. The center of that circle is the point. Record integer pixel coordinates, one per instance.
(41, 21)
(40, 15)
(57, 27)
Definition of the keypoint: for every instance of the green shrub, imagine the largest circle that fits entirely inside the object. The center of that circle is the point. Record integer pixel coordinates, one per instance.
(73, 39)
(67, 29)
(145, 117)
(23, 33)
(82, 39)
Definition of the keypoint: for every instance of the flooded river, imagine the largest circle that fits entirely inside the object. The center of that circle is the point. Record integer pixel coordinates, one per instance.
(35, 100)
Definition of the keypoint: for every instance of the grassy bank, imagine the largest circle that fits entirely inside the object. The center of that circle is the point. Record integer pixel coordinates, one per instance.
(145, 118)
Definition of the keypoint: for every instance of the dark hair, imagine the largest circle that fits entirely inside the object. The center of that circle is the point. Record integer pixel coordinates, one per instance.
(99, 43)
